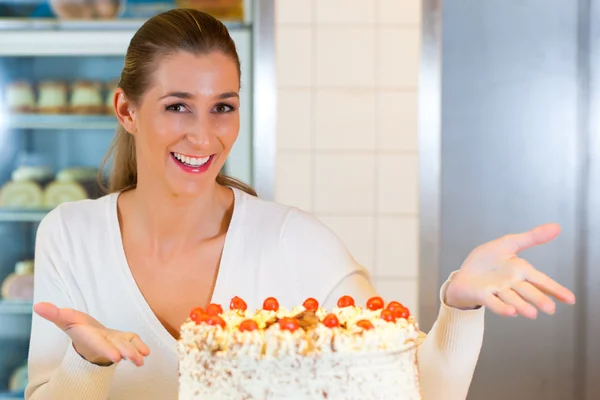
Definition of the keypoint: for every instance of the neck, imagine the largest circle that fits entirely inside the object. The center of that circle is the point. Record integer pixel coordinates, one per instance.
(165, 220)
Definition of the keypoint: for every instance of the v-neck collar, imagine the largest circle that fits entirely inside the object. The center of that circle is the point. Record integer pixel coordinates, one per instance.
(224, 273)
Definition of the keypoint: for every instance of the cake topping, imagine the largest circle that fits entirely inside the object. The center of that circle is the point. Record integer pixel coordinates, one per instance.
(345, 301)
(375, 303)
(398, 310)
(248, 325)
(214, 309)
(311, 304)
(388, 316)
(238, 304)
(365, 324)
(271, 304)
(331, 321)
(289, 324)
(213, 320)
(197, 314)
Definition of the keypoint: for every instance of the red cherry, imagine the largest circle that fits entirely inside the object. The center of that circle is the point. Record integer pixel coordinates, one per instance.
(311, 304)
(289, 324)
(394, 304)
(214, 309)
(238, 304)
(214, 320)
(197, 315)
(331, 321)
(365, 324)
(375, 303)
(248, 325)
(271, 304)
(401, 312)
(388, 316)
(345, 301)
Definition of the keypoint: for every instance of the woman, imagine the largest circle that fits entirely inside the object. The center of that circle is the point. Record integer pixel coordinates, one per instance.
(119, 275)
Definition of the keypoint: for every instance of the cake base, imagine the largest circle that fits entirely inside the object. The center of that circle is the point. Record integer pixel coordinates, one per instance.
(383, 375)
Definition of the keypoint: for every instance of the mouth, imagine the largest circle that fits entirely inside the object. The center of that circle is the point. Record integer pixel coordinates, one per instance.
(190, 163)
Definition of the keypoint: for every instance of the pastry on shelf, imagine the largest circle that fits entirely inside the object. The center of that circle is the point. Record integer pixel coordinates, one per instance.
(85, 176)
(18, 286)
(52, 98)
(23, 194)
(58, 192)
(72, 9)
(110, 94)
(86, 98)
(107, 9)
(20, 97)
(39, 174)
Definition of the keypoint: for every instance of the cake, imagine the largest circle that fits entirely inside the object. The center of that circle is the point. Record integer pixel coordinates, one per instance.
(303, 353)
(86, 98)
(52, 98)
(20, 97)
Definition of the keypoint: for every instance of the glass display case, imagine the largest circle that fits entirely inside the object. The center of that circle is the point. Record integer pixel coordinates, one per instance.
(58, 68)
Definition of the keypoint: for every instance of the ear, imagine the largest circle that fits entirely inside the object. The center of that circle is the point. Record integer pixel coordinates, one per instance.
(124, 111)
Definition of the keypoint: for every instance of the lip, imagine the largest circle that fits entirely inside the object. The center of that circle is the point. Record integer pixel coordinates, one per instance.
(193, 170)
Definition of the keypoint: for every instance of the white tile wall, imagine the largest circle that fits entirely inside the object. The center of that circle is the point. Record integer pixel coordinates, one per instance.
(347, 74)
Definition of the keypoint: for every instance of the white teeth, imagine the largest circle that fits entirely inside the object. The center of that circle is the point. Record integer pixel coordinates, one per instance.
(193, 161)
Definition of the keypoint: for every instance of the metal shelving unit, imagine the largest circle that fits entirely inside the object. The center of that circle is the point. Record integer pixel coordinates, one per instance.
(56, 122)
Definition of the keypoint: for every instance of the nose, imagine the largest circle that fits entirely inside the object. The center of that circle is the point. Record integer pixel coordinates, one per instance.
(200, 133)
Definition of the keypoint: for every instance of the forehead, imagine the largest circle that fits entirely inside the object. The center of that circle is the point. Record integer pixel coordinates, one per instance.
(207, 74)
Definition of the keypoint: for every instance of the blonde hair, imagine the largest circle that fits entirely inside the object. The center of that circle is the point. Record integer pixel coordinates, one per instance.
(173, 31)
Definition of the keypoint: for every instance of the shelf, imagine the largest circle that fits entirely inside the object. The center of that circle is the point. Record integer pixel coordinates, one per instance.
(42, 121)
(12, 396)
(15, 320)
(21, 215)
(11, 307)
(30, 37)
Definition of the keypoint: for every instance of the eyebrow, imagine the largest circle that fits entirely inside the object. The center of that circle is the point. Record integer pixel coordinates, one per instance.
(187, 95)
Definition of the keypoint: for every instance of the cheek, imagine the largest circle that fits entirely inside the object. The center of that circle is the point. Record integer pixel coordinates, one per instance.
(228, 130)
(160, 130)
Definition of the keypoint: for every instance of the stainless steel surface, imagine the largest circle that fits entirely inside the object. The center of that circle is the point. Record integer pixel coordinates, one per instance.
(590, 296)
(264, 100)
(518, 146)
(430, 161)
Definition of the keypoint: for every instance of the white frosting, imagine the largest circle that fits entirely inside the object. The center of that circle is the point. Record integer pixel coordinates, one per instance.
(345, 362)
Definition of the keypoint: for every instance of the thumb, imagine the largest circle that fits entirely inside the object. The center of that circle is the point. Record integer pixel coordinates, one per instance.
(539, 235)
(64, 318)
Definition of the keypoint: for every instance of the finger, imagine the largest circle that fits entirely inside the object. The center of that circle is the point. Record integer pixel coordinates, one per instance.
(61, 317)
(511, 297)
(498, 306)
(519, 242)
(140, 345)
(126, 349)
(549, 286)
(534, 296)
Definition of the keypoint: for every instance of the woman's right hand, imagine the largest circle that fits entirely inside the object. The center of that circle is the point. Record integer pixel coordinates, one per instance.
(93, 341)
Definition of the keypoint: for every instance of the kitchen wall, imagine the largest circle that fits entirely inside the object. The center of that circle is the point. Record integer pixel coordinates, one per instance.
(347, 73)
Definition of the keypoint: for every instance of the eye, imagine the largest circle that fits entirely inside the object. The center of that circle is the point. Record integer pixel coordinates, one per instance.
(223, 108)
(179, 108)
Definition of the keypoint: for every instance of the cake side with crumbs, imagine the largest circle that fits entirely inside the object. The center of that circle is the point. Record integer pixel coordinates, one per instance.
(349, 352)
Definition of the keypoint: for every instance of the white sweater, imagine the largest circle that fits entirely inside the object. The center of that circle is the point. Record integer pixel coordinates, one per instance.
(270, 250)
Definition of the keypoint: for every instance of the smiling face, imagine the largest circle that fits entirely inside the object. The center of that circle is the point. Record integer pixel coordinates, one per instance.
(185, 123)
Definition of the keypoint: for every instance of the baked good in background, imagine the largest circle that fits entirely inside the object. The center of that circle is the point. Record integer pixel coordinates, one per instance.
(86, 9)
(72, 184)
(18, 286)
(86, 98)
(111, 86)
(305, 353)
(25, 194)
(52, 98)
(39, 174)
(20, 97)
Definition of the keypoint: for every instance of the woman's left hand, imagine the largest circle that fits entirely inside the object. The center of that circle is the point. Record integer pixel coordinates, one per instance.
(495, 277)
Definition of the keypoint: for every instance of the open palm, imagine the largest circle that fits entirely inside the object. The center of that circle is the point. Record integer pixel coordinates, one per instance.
(93, 341)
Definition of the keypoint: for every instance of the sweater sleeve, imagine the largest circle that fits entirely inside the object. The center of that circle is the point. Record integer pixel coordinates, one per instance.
(447, 355)
(56, 370)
